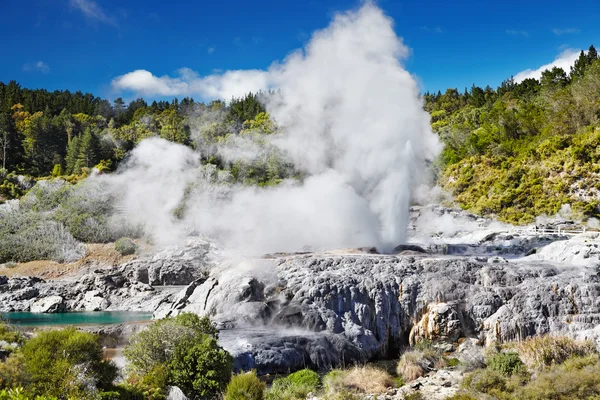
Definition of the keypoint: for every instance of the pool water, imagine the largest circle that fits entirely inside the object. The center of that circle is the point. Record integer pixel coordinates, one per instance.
(28, 319)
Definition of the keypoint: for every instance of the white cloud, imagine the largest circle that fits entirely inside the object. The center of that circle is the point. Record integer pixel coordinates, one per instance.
(514, 32)
(564, 60)
(37, 66)
(92, 10)
(565, 31)
(210, 50)
(187, 83)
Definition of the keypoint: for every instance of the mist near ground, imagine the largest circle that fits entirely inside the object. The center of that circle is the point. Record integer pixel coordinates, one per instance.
(349, 119)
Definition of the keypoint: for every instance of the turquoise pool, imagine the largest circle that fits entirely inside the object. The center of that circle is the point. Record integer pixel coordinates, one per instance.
(27, 319)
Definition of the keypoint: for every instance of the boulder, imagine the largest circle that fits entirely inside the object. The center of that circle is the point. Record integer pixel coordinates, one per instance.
(50, 304)
(441, 322)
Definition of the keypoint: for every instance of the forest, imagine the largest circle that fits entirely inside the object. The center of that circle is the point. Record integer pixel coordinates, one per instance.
(515, 152)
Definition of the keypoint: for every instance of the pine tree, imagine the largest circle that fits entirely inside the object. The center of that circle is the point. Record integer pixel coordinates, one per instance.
(592, 55)
(72, 155)
(578, 69)
(89, 151)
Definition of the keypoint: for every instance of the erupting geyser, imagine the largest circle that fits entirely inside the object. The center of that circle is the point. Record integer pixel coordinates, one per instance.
(349, 116)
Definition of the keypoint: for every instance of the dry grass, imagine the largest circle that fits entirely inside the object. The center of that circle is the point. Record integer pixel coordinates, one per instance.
(365, 379)
(97, 254)
(542, 351)
(417, 363)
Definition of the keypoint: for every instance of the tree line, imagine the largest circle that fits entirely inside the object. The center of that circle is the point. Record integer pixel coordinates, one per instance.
(524, 148)
(60, 133)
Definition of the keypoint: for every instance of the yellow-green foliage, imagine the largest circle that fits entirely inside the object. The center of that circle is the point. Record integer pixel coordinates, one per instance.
(566, 370)
(65, 363)
(295, 386)
(507, 364)
(542, 351)
(245, 386)
(10, 334)
(524, 150)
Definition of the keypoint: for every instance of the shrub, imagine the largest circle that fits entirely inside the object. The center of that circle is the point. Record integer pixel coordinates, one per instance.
(461, 396)
(125, 246)
(157, 343)
(11, 371)
(506, 363)
(295, 386)
(151, 386)
(66, 363)
(542, 351)
(19, 394)
(333, 382)
(10, 334)
(369, 379)
(559, 382)
(416, 363)
(245, 387)
(485, 381)
(27, 236)
(200, 367)
(305, 377)
(186, 346)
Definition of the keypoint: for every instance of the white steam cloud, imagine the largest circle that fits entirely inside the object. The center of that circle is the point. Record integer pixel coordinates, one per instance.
(564, 60)
(350, 117)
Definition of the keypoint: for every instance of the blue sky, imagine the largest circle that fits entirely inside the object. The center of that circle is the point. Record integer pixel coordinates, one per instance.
(85, 44)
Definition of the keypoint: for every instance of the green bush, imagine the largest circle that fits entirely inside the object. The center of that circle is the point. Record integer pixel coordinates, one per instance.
(485, 381)
(186, 346)
(149, 386)
(11, 371)
(200, 367)
(157, 343)
(560, 382)
(125, 246)
(66, 363)
(10, 334)
(20, 394)
(245, 386)
(305, 377)
(295, 386)
(506, 363)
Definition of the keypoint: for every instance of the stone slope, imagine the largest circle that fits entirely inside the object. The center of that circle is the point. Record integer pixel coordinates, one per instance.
(322, 310)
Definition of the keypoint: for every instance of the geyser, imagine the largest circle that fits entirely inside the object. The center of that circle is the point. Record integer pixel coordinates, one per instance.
(349, 117)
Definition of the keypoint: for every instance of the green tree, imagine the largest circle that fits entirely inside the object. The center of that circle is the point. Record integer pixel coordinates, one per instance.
(555, 77)
(187, 346)
(65, 363)
(72, 155)
(89, 151)
(579, 67)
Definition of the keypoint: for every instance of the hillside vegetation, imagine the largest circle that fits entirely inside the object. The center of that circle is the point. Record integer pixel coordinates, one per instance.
(526, 148)
(519, 151)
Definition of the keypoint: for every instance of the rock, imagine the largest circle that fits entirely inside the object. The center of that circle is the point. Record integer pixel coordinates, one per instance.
(437, 386)
(51, 304)
(174, 393)
(176, 265)
(409, 247)
(441, 322)
(93, 300)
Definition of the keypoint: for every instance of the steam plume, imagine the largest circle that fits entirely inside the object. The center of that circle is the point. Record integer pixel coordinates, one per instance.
(350, 117)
